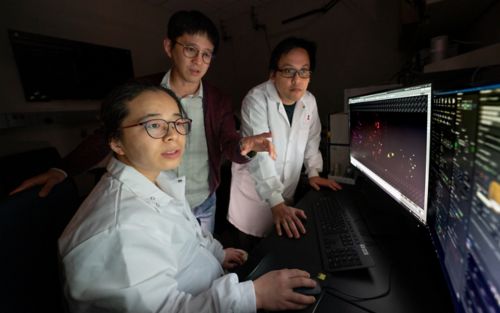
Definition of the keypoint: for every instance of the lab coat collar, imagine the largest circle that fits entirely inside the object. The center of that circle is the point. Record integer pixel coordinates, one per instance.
(274, 96)
(168, 189)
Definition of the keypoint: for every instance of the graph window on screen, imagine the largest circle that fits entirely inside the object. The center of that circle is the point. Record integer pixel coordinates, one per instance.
(465, 194)
(390, 143)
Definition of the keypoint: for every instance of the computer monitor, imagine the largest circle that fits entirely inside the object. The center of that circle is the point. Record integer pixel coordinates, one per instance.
(390, 143)
(464, 194)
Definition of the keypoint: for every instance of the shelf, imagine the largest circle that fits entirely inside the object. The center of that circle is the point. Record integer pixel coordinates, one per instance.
(478, 58)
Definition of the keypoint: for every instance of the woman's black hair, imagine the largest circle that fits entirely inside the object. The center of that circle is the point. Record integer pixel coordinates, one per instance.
(286, 45)
(114, 107)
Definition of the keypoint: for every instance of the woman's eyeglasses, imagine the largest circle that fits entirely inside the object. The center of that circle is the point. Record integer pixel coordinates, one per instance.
(159, 128)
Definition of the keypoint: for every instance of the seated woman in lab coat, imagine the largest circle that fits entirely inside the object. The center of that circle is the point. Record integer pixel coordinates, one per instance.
(135, 246)
(262, 190)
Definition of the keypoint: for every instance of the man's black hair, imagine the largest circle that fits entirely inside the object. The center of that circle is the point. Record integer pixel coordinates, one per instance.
(286, 45)
(192, 22)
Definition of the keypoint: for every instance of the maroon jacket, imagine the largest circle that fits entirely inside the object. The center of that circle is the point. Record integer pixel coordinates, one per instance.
(220, 131)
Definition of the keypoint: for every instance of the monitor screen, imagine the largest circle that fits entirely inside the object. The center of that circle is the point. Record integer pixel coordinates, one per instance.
(464, 195)
(390, 143)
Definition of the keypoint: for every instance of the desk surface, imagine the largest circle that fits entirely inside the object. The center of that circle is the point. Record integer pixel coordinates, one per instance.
(406, 276)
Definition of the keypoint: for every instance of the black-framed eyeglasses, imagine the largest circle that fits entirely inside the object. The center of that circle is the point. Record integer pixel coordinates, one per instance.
(289, 72)
(193, 52)
(159, 128)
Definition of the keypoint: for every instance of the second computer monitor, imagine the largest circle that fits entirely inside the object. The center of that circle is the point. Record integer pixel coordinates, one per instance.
(390, 143)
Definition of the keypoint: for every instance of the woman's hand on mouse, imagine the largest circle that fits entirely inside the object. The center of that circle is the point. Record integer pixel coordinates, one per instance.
(274, 290)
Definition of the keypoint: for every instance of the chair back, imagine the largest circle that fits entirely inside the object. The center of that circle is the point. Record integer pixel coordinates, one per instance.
(29, 229)
(15, 168)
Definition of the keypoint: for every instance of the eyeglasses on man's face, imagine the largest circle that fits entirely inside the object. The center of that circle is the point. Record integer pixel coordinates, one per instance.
(159, 128)
(193, 52)
(290, 72)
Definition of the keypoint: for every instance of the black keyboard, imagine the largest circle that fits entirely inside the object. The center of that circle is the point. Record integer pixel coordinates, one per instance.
(341, 245)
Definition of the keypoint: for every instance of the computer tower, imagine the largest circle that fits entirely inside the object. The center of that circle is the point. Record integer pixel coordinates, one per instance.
(340, 170)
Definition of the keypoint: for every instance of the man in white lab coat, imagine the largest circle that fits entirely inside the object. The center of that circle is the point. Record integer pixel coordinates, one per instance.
(262, 190)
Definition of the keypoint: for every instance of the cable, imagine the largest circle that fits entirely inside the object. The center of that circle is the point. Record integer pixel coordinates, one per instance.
(322, 10)
(473, 76)
(267, 40)
(350, 302)
(333, 290)
(257, 26)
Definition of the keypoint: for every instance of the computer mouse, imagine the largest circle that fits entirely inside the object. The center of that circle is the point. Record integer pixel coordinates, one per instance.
(310, 291)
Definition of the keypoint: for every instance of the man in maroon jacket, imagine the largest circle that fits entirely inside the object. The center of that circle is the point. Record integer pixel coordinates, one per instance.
(192, 41)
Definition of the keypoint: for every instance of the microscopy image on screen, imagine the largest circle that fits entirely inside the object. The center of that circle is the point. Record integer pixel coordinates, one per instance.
(393, 146)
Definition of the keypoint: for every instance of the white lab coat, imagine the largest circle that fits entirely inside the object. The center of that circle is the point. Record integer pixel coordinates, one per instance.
(137, 247)
(262, 183)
